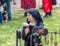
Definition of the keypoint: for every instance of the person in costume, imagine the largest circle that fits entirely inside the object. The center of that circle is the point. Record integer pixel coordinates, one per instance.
(27, 4)
(47, 7)
(34, 21)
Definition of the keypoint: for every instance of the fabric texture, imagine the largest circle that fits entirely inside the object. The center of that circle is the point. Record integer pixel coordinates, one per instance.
(47, 5)
(39, 25)
(27, 4)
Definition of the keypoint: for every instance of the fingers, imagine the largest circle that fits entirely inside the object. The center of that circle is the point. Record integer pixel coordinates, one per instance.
(26, 31)
(25, 24)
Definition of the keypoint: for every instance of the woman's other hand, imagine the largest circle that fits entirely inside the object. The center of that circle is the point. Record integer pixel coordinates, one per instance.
(26, 31)
(25, 25)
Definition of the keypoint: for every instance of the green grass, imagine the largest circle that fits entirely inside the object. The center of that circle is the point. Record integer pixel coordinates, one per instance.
(8, 29)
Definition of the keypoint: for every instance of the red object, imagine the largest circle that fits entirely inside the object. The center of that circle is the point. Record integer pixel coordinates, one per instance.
(47, 5)
(27, 4)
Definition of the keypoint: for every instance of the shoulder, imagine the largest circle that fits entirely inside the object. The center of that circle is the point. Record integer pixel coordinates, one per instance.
(40, 23)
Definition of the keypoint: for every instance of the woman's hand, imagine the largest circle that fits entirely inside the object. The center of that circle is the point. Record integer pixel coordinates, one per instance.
(26, 31)
(26, 25)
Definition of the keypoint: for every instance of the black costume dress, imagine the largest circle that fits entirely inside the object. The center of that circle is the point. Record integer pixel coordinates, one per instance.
(27, 38)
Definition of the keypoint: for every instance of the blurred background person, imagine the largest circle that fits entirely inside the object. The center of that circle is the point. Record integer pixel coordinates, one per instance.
(47, 7)
(27, 4)
(54, 2)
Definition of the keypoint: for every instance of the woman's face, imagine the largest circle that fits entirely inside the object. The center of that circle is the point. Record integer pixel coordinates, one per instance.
(29, 16)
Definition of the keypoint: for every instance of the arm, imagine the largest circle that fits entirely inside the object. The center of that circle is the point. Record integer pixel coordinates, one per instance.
(25, 33)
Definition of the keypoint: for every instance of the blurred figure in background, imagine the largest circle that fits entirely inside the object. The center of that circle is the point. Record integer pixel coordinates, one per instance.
(54, 2)
(4, 14)
(27, 4)
(47, 7)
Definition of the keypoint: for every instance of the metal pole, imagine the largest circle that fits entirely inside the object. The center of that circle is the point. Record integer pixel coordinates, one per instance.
(16, 39)
(55, 43)
(45, 40)
(9, 10)
(51, 38)
(20, 39)
(59, 31)
(0, 14)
